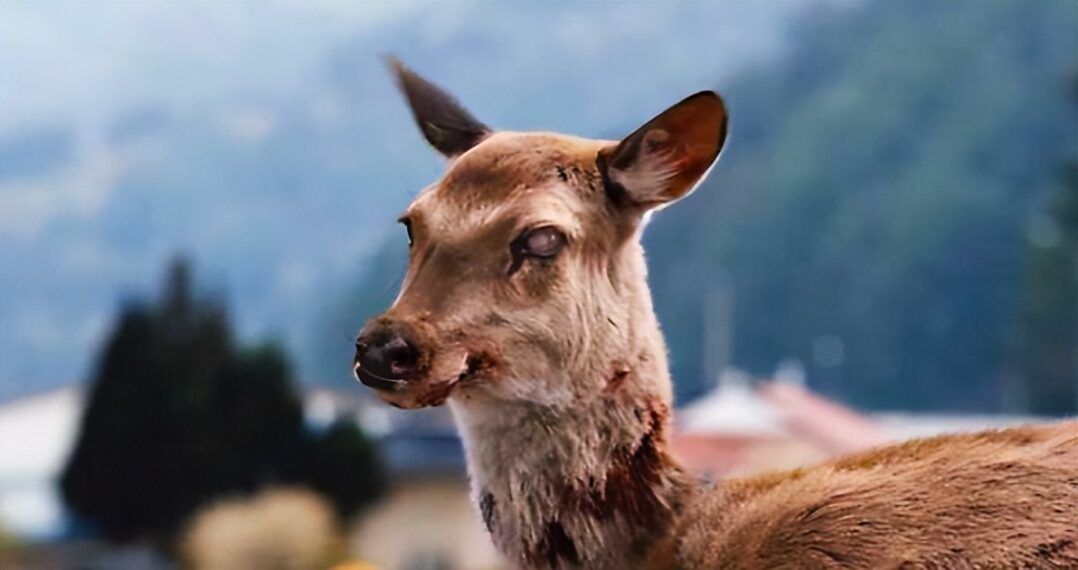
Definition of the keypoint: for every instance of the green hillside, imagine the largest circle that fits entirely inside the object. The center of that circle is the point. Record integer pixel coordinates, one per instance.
(871, 213)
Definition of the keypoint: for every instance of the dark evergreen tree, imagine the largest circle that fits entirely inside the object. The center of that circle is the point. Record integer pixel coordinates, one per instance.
(178, 415)
(344, 465)
(146, 451)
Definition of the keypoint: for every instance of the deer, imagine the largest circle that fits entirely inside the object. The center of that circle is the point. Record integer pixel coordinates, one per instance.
(525, 308)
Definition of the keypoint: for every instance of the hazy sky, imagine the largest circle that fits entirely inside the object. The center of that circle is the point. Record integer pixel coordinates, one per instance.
(83, 60)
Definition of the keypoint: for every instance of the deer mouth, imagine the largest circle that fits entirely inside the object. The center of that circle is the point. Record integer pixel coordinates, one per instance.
(472, 366)
(381, 383)
(431, 390)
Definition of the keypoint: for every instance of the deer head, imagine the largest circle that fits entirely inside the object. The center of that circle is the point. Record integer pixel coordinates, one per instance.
(526, 280)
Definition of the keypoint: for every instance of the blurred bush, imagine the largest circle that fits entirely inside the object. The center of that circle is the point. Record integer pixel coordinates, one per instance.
(340, 466)
(179, 415)
(284, 529)
(8, 547)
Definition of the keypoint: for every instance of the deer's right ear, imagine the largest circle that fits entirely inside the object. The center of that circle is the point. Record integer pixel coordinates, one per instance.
(665, 159)
(446, 125)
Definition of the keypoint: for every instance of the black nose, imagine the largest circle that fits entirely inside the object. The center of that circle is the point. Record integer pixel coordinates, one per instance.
(385, 358)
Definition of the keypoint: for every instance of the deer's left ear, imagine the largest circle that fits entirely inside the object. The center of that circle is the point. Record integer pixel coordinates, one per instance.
(665, 159)
(446, 125)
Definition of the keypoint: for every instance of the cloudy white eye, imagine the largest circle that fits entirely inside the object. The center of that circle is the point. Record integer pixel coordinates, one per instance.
(543, 242)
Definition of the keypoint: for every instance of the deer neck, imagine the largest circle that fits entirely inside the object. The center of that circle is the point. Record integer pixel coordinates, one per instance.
(588, 485)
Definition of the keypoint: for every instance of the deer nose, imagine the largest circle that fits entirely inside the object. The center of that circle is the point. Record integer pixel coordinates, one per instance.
(385, 358)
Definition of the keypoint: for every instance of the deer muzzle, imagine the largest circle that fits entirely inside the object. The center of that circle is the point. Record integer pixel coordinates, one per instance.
(404, 366)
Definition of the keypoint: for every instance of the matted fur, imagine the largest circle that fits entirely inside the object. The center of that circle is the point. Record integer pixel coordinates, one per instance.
(556, 373)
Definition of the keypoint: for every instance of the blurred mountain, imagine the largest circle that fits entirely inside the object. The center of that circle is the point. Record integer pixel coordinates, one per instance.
(269, 143)
(871, 215)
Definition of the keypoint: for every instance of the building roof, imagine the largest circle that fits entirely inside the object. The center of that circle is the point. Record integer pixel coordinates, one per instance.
(36, 435)
(732, 409)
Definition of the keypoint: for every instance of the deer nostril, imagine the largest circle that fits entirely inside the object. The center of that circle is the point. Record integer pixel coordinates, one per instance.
(401, 356)
(388, 357)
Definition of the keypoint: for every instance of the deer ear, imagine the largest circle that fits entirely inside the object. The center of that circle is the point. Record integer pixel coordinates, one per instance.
(665, 159)
(446, 125)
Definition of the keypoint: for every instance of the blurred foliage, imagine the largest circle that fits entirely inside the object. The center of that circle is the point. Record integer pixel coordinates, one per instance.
(876, 196)
(1046, 356)
(340, 466)
(178, 415)
(9, 546)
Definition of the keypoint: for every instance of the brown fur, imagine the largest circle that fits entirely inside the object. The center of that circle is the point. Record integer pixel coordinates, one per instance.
(556, 373)
(1000, 499)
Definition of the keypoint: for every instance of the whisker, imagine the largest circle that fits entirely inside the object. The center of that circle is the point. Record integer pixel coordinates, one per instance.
(396, 283)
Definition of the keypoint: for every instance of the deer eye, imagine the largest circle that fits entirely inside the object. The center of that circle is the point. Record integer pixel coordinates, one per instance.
(543, 242)
(408, 227)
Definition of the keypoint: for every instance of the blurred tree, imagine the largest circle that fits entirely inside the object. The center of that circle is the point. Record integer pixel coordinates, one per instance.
(146, 452)
(1047, 345)
(258, 419)
(870, 212)
(340, 466)
(178, 415)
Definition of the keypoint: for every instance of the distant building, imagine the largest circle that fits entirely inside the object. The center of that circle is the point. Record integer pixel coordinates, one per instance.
(743, 427)
(36, 435)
